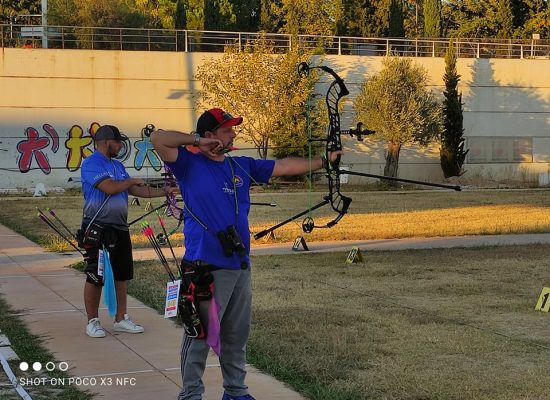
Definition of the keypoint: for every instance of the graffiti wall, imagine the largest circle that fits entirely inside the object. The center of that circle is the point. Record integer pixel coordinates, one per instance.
(54, 155)
(35, 151)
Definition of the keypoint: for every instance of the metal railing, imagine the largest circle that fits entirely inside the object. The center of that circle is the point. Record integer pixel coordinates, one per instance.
(98, 38)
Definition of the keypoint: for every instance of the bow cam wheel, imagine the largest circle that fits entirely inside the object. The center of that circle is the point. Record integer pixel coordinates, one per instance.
(308, 225)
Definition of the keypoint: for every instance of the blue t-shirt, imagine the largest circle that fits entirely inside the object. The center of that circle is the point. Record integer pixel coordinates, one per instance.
(95, 169)
(209, 198)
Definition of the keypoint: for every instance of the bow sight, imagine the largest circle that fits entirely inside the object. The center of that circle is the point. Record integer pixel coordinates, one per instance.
(358, 132)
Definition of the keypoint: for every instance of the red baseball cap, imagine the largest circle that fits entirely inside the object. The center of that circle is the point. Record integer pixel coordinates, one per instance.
(216, 118)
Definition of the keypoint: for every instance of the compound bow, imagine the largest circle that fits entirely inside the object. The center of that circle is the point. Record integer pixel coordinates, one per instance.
(339, 202)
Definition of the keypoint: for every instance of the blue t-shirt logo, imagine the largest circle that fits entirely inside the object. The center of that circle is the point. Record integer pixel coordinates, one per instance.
(238, 181)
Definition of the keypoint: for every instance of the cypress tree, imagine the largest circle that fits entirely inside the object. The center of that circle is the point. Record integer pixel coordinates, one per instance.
(219, 15)
(247, 15)
(396, 23)
(181, 17)
(452, 154)
(432, 18)
(180, 22)
(268, 22)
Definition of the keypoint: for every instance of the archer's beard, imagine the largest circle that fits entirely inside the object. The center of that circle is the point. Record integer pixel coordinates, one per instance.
(113, 153)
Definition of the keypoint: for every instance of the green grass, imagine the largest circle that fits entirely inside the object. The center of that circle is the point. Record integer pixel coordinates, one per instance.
(447, 324)
(30, 348)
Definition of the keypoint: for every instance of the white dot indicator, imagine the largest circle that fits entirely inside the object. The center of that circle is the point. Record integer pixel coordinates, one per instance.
(63, 366)
(24, 366)
(37, 366)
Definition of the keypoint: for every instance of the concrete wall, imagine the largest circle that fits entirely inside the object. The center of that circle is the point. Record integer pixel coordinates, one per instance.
(51, 99)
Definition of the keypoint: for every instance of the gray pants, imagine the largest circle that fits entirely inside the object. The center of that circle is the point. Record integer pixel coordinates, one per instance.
(233, 292)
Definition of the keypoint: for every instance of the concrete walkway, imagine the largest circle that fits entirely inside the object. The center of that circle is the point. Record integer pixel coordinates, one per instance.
(410, 243)
(48, 297)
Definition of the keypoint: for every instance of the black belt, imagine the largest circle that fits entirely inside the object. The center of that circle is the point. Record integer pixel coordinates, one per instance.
(210, 267)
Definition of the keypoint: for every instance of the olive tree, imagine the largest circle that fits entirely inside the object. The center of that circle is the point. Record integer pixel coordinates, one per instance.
(397, 104)
(265, 88)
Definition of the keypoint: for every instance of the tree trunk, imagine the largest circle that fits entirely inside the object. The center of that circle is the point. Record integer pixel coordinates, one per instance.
(449, 164)
(263, 148)
(392, 161)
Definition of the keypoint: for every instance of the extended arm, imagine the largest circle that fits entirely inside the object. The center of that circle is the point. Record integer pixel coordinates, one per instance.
(134, 186)
(111, 186)
(298, 166)
(148, 191)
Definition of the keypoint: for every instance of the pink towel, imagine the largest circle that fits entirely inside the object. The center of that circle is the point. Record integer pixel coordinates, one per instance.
(213, 335)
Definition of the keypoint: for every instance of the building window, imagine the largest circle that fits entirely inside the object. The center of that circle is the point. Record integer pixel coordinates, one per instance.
(499, 149)
(522, 150)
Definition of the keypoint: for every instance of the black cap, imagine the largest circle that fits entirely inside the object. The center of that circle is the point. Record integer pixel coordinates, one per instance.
(216, 118)
(109, 132)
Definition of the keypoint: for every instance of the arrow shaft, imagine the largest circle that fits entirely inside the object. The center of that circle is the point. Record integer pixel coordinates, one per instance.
(56, 230)
(63, 225)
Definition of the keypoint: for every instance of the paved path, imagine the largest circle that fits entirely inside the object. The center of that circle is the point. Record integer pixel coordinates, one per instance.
(383, 244)
(48, 297)
(412, 243)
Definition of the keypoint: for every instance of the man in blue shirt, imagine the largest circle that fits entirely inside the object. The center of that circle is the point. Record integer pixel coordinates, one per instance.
(105, 185)
(216, 194)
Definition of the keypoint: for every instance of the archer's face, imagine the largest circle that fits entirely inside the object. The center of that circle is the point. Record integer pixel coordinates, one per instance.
(113, 147)
(226, 135)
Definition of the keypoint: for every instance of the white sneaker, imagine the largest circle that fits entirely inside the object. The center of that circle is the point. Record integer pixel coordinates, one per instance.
(94, 329)
(127, 325)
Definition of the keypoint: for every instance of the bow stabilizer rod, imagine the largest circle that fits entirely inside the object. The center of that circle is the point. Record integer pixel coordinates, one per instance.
(263, 204)
(164, 204)
(390, 178)
(358, 132)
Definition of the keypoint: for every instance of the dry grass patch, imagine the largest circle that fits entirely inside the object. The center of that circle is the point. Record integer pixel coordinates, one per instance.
(372, 215)
(475, 220)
